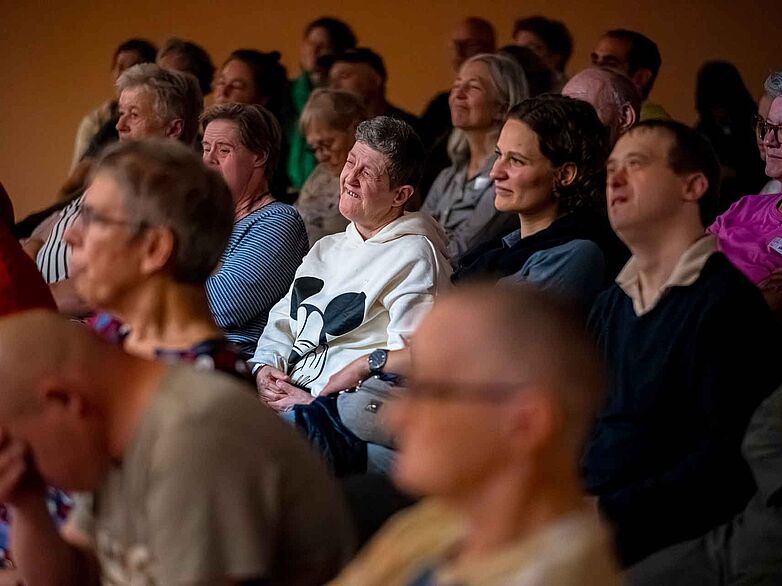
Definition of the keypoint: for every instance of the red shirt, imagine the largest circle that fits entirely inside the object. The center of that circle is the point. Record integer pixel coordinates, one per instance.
(21, 285)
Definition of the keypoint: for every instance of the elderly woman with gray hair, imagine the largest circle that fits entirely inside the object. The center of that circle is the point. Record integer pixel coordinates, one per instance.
(462, 197)
(363, 289)
(242, 142)
(328, 122)
(153, 103)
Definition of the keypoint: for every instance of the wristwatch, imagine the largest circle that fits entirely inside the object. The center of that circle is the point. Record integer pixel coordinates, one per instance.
(376, 361)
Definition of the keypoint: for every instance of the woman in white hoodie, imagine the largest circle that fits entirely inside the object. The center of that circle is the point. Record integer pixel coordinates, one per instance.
(362, 289)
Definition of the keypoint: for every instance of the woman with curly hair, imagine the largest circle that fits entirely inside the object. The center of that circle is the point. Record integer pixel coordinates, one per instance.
(550, 171)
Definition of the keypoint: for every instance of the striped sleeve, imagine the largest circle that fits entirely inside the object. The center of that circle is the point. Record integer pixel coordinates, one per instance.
(52, 259)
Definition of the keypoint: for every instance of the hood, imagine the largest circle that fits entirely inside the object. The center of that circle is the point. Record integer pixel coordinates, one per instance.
(411, 224)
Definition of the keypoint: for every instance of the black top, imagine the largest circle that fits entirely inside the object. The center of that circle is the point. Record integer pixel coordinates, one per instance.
(684, 379)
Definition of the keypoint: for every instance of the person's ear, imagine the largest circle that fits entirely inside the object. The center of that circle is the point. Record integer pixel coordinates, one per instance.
(566, 174)
(159, 248)
(402, 195)
(695, 186)
(260, 160)
(627, 118)
(534, 420)
(175, 128)
(53, 395)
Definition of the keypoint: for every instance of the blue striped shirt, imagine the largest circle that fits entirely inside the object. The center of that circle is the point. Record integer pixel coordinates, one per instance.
(257, 269)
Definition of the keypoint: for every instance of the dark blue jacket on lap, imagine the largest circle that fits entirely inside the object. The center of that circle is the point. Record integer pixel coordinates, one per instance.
(664, 457)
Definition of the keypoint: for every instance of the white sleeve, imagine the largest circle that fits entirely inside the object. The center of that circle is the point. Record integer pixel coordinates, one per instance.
(277, 338)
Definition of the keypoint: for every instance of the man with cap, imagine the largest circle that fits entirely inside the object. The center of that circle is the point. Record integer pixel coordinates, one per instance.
(361, 71)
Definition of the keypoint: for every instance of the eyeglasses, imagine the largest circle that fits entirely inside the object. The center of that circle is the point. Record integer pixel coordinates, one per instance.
(463, 390)
(89, 216)
(763, 127)
(325, 146)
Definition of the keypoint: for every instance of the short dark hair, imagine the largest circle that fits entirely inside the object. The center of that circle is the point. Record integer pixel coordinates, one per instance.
(554, 34)
(569, 131)
(340, 34)
(643, 53)
(359, 55)
(539, 77)
(196, 61)
(398, 142)
(259, 130)
(691, 152)
(164, 183)
(143, 47)
(270, 78)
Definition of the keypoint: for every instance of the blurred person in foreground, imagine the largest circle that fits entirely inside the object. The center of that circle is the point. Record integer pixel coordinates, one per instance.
(491, 440)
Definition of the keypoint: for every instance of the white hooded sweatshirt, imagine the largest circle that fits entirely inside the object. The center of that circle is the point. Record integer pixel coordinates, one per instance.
(351, 296)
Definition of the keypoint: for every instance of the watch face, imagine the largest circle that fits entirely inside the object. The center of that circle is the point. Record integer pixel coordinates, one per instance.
(377, 359)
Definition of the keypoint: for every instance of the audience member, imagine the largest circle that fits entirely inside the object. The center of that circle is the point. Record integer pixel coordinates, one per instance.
(252, 77)
(691, 348)
(747, 549)
(750, 232)
(491, 439)
(323, 36)
(127, 54)
(613, 96)
(187, 57)
(365, 288)
(462, 197)
(178, 496)
(328, 121)
(362, 72)
(772, 89)
(550, 172)
(636, 56)
(471, 37)
(540, 78)
(155, 206)
(726, 116)
(153, 103)
(242, 142)
(549, 39)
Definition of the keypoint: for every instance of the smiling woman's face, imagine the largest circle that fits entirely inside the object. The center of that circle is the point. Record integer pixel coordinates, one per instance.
(365, 195)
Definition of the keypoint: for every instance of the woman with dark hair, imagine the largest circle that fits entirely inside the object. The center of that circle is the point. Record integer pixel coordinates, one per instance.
(550, 170)
(726, 115)
(253, 77)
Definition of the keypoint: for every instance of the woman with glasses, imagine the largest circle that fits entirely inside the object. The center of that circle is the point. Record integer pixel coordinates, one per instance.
(750, 232)
(151, 230)
(328, 123)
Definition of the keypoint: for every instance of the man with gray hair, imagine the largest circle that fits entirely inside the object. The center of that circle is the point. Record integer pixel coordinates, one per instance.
(153, 103)
(361, 290)
(613, 96)
(194, 482)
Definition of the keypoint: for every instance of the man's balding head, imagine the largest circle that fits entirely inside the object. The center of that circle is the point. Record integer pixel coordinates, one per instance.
(499, 377)
(613, 96)
(58, 378)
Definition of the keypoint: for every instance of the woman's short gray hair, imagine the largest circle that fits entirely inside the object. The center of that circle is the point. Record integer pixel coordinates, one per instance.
(337, 109)
(259, 130)
(773, 85)
(399, 144)
(165, 183)
(510, 86)
(176, 95)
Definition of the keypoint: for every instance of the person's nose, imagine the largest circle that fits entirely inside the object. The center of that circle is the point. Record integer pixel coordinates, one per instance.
(498, 169)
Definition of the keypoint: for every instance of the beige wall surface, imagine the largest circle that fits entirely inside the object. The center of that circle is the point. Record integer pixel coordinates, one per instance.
(54, 56)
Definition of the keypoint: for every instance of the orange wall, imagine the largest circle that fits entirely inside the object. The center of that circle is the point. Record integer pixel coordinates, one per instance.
(54, 56)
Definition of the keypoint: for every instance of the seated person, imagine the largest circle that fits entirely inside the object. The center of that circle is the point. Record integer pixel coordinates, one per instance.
(328, 123)
(362, 289)
(179, 498)
(154, 206)
(187, 57)
(691, 349)
(750, 232)
(461, 199)
(550, 172)
(772, 88)
(550, 40)
(153, 103)
(268, 241)
(747, 549)
(613, 96)
(491, 440)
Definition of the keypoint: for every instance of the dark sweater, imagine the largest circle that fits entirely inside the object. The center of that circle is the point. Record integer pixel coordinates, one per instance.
(684, 378)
